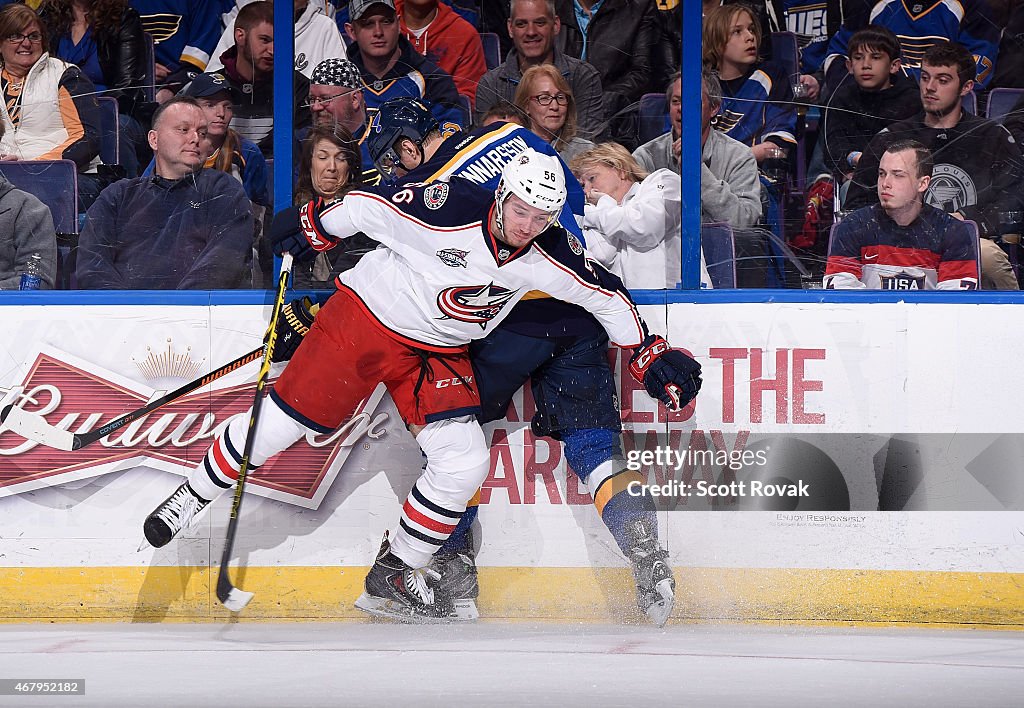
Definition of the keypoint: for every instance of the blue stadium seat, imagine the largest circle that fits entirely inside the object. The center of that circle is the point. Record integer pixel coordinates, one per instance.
(654, 119)
(492, 49)
(719, 246)
(109, 130)
(970, 103)
(786, 52)
(1001, 101)
(55, 184)
(149, 65)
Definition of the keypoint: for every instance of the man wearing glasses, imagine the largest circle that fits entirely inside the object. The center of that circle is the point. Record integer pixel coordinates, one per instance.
(533, 26)
(336, 98)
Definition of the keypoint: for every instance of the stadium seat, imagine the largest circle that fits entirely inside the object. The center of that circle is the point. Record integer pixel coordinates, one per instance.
(1001, 101)
(719, 246)
(492, 49)
(55, 184)
(654, 119)
(786, 52)
(109, 143)
(149, 65)
(970, 103)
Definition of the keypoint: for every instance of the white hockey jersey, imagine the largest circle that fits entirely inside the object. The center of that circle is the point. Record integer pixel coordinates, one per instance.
(443, 279)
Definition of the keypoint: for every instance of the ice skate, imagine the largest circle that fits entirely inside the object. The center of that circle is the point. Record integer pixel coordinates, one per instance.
(178, 511)
(655, 584)
(457, 584)
(396, 591)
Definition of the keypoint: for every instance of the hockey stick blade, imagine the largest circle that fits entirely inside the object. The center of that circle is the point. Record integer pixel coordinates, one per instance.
(235, 599)
(34, 427)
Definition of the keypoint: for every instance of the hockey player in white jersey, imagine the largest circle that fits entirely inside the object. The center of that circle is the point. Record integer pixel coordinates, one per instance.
(456, 259)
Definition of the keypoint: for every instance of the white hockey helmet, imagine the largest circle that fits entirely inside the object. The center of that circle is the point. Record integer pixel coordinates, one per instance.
(537, 179)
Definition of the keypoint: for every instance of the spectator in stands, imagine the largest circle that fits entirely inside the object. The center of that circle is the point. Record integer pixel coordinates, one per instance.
(183, 228)
(49, 109)
(504, 111)
(438, 32)
(26, 229)
(757, 100)
(879, 95)
(533, 26)
(184, 34)
(546, 100)
(901, 243)
(632, 221)
(104, 39)
(248, 68)
(663, 151)
(619, 38)
(978, 166)
(392, 68)
(730, 191)
(330, 166)
(316, 36)
(1010, 67)
(920, 25)
(223, 148)
(336, 99)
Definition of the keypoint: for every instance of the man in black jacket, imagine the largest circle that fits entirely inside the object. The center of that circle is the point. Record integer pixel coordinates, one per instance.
(978, 171)
(620, 40)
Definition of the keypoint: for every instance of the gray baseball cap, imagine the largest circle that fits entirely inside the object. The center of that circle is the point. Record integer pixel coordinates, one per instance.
(358, 8)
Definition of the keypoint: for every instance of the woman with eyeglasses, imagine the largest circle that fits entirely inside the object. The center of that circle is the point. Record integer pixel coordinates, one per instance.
(49, 107)
(330, 167)
(546, 103)
(104, 39)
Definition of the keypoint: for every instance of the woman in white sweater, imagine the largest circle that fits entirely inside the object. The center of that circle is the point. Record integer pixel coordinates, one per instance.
(632, 220)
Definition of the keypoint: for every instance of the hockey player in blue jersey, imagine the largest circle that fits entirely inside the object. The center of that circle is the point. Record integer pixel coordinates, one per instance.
(455, 259)
(558, 346)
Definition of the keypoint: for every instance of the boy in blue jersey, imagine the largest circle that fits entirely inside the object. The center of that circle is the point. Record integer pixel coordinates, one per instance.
(184, 34)
(757, 102)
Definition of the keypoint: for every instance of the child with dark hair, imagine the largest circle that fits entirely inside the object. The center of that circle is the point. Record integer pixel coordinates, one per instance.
(879, 95)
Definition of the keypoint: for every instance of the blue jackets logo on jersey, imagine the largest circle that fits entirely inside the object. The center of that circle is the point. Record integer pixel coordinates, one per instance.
(476, 304)
(453, 257)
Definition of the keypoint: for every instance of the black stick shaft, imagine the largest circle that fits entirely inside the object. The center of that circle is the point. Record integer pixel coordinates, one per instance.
(224, 584)
(83, 439)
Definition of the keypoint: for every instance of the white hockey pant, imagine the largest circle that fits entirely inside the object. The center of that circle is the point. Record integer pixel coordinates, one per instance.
(457, 464)
(218, 471)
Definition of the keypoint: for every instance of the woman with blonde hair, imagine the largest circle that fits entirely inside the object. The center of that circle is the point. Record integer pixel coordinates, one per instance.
(632, 220)
(549, 109)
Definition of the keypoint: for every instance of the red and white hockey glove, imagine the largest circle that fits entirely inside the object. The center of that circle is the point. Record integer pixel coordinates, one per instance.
(297, 230)
(668, 374)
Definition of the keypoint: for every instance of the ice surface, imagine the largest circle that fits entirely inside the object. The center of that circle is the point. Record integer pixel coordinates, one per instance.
(497, 664)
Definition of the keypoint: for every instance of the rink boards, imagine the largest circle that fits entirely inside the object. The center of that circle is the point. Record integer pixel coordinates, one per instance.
(900, 420)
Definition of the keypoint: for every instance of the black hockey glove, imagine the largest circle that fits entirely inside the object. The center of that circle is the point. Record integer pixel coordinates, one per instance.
(298, 231)
(293, 324)
(668, 374)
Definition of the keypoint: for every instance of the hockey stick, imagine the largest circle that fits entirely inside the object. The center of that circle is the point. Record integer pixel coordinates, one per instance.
(231, 597)
(34, 427)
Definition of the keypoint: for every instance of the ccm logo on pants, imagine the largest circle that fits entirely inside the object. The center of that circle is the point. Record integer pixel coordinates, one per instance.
(445, 383)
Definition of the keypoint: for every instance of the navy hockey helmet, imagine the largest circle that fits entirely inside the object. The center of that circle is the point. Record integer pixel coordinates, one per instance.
(395, 119)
